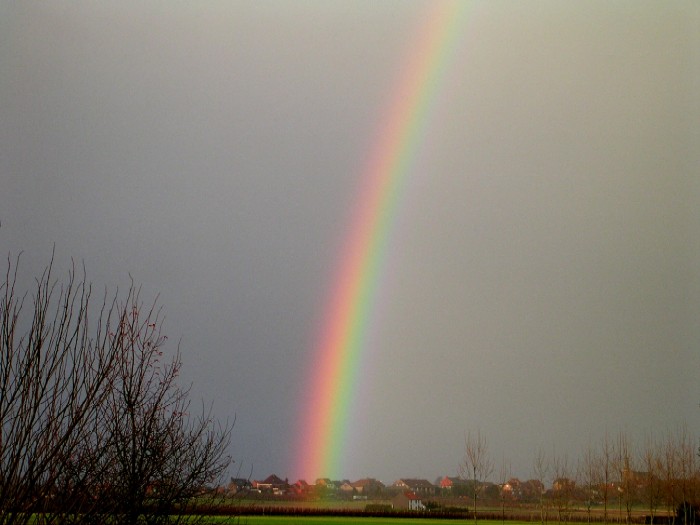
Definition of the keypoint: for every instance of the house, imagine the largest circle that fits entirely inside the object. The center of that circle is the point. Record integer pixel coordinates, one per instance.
(327, 483)
(447, 482)
(301, 487)
(563, 485)
(450, 483)
(272, 484)
(362, 488)
(368, 486)
(407, 500)
(512, 489)
(347, 487)
(455, 486)
(637, 480)
(422, 487)
(531, 490)
(238, 485)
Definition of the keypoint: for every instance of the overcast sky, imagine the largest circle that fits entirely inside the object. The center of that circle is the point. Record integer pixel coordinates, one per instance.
(544, 279)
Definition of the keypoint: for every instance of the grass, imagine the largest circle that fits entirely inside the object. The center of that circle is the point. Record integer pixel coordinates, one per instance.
(332, 520)
(337, 520)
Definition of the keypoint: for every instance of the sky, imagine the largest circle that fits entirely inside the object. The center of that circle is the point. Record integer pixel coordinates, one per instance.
(541, 283)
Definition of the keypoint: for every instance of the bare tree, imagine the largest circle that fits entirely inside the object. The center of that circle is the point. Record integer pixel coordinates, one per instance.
(53, 372)
(687, 472)
(161, 456)
(563, 486)
(503, 477)
(541, 471)
(651, 460)
(670, 469)
(626, 475)
(606, 468)
(476, 465)
(589, 474)
(91, 420)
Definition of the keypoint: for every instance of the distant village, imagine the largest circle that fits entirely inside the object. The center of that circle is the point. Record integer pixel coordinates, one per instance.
(405, 493)
(419, 494)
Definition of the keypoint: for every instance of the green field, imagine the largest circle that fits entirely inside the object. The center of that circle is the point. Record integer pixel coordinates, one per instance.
(331, 520)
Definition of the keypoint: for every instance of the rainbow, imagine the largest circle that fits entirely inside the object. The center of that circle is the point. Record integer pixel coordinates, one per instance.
(343, 335)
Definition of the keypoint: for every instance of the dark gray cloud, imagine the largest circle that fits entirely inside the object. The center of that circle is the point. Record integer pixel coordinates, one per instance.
(542, 282)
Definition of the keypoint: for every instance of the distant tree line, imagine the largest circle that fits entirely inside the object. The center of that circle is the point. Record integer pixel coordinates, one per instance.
(94, 426)
(612, 480)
